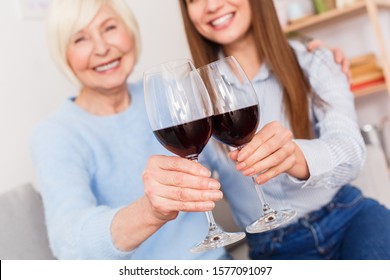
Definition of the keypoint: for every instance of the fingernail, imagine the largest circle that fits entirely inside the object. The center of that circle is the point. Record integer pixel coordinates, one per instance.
(259, 180)
(241, 156)
(249, 171)
(209, 205)
(216, 195)
(214, 185)
(205, 172)
(241, 166)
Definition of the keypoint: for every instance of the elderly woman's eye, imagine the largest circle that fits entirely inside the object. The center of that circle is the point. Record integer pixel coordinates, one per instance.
(79, 40)
(110, 27)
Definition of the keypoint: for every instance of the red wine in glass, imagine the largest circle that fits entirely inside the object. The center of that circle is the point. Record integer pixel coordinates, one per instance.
(186, 139)
(236, 128)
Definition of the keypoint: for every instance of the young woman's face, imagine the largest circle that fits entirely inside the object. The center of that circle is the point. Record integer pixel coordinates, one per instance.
(102, 55)
(222, 21)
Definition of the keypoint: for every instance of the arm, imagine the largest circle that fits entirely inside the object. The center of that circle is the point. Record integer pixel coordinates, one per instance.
(337, 155)
(80, 227)
(172, 184)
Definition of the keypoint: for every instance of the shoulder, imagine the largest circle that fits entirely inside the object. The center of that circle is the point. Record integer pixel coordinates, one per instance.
(59, 140)
(51, 123)
(57, 127)
(312, 59)
(319, 66)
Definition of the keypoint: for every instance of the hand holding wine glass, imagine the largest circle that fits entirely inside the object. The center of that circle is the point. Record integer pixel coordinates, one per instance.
(270, 153)
(173, 184)
(235, 121)
(180, 111)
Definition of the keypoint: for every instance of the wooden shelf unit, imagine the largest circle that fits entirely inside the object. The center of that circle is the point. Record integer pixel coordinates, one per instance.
(311, 21)
(371, 8)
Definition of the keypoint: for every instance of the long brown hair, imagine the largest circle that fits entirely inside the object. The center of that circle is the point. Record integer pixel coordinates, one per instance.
(274, 49)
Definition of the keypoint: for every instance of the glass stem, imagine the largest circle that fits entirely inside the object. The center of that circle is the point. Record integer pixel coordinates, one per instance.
(266, 208)
(210, 217)
(211, 221)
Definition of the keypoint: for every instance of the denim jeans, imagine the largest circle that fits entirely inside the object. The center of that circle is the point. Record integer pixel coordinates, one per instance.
(349, 227)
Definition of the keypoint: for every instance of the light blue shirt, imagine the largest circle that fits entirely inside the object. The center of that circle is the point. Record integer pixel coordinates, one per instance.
(334, 157)
(89, 167)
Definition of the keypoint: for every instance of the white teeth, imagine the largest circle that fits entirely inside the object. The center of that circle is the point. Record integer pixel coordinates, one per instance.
(222, 20)
(107, 66)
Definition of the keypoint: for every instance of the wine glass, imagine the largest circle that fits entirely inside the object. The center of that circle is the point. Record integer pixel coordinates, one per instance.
(235, 121)
(180, 111)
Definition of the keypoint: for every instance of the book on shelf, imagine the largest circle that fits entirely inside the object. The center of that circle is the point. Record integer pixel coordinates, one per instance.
(355, 87)
(365, 72)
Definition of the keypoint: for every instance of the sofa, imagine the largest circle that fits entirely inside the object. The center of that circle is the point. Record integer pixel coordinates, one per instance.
(23, 233)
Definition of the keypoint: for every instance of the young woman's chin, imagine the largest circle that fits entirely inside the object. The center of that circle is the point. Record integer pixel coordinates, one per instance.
(225, 40)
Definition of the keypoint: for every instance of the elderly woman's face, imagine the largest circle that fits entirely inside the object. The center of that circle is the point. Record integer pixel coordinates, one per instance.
(102, 55)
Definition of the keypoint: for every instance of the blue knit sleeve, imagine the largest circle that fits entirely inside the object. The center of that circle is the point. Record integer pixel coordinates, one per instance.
(78, 227)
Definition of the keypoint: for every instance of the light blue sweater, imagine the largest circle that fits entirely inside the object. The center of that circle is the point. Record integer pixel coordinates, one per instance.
(89, 167)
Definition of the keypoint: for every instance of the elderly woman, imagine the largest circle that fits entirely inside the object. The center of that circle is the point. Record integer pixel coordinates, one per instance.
(103, 198)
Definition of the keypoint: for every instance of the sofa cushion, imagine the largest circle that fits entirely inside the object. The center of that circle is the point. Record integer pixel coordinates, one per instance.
(23, 233)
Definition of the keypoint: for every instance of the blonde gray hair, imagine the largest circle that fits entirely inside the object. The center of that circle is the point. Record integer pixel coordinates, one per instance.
(67, 17)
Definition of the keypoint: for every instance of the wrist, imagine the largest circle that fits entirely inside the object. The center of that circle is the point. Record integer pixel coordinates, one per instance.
(300, 169)
(157, 218)
(133, 224)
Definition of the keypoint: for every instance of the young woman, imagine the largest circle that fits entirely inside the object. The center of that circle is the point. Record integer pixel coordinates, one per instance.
(309, 146)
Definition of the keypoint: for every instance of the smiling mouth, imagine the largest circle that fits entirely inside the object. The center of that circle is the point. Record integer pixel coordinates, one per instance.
(222, 20)
(108, 66)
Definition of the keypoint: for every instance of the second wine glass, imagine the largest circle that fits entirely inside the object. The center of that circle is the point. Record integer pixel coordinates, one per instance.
(180, 111)
(235, 121)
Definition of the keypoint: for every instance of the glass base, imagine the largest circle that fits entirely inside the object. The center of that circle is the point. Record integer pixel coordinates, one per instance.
(271, 221)
(216, 239)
